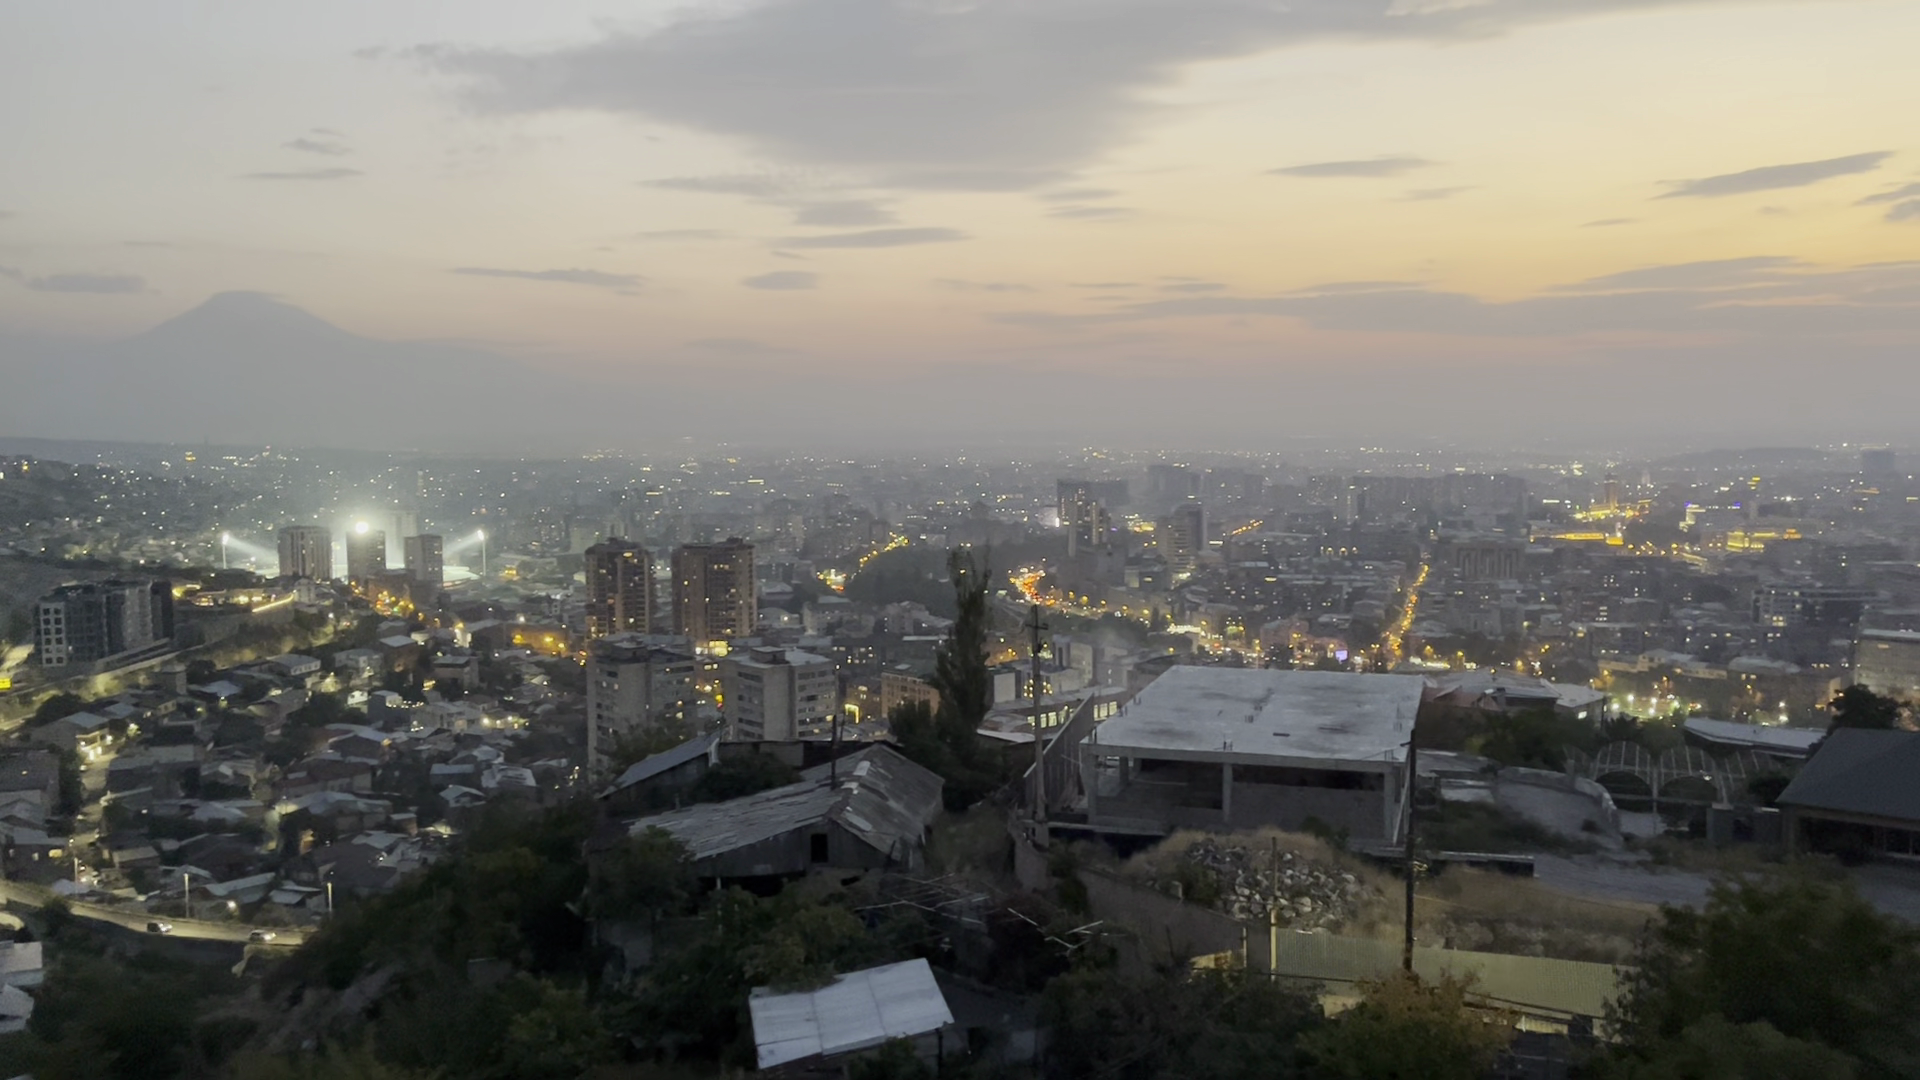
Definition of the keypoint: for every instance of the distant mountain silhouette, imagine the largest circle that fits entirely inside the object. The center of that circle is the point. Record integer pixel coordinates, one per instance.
(245, 368)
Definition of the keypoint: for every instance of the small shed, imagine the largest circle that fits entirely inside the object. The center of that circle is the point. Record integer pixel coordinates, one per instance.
(812, 1032)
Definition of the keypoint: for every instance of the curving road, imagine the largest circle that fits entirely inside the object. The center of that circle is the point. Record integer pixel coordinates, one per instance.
(36, 896)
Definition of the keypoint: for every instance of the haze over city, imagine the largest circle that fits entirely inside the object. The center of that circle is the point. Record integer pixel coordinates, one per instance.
(857, 222)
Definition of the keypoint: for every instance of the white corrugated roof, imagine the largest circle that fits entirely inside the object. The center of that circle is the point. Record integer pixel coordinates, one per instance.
(856, 1011)
(1253, 715)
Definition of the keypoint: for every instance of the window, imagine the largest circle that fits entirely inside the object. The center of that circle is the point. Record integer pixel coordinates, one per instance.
(818, 844)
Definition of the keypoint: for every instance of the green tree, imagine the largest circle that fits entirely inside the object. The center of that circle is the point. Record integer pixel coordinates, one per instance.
(1405, 1028)
(329, 1063)
(1207, 1025)
(57, 707)
(73, 791)
(1809, 959)
(945, 739)
(1714, 1049)
(1859, 707)
(643, 876)
(747, 774)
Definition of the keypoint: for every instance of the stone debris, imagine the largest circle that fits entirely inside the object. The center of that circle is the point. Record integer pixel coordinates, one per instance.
(1244, 882)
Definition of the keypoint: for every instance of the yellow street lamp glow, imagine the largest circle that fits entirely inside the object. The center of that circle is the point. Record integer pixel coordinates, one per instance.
(360, 527)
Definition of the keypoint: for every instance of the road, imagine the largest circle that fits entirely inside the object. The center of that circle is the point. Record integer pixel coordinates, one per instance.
(36, 896)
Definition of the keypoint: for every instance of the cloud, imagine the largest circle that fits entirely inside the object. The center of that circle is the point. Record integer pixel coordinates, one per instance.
(671, 235)
(1907, 191)
(1604, 223)
(1906, 211)
(1432, 194)
(982, 286)
(1773, 177)
(741, 347)
(625, 283)
(997, 95)
(305, 174)
(1090, 213)
(5, 214)
(1784, 299)
(782, 280)
(843, 212)
(1194, 287)
(761, 185)
(1104, 284)
(1080, 195)
(101, 284)
(876, 238)
(1372, 167)
(316, 146)
(10, 272)
(328, 132)
(146, 243)
(1706, 274)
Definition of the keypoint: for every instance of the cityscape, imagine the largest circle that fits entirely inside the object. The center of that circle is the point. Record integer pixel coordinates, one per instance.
(922, 540)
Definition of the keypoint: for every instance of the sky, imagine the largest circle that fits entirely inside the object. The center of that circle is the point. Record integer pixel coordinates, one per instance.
(1374, 202)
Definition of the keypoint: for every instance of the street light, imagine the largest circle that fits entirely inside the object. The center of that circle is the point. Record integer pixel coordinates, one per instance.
(225, 539)
(482, 537)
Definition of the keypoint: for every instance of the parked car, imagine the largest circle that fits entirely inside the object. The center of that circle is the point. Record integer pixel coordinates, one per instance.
(159, 926)
(262, 936)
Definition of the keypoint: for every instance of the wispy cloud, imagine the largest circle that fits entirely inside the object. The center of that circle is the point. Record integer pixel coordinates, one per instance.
(1090, 213)
(1705, 274)
(1905, 191)
(1080, 194)
(982, 286)
(1606, 223)
(673, 235)
(306, 174)
(1194, 287)
(599, 279)
(1773, 177)
(876, 238)
(317, 146)
(843, 212)
(1906, 211)
(781, 280)
(761, 185)
(102, 284)
(1432, 194)
(5, 214)
(1369, 168)
(738, 346)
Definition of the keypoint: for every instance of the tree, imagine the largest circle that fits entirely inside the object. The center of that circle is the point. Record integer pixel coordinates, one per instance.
(1809, 960)
(57, 707)
(960, 665)
(747, 774)
(1714, 1049)
(1859, 707)
(644, 875)
(1406, 1028)
(73, 791)
(1207, 1025)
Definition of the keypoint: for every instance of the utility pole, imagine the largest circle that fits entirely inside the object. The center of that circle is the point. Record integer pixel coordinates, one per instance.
(1039, 748)
(1413, 781)
(833, 754)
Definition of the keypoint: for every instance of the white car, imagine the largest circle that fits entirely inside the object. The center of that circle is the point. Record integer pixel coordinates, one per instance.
(262, 936)
(159, 926)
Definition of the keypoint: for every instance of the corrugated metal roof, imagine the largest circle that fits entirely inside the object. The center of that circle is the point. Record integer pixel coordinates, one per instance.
(1855, 771)
(891, 803)
(856, 1011)
(655, 764)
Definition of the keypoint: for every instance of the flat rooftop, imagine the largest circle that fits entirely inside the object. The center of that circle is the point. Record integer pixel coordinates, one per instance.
(1256, 716)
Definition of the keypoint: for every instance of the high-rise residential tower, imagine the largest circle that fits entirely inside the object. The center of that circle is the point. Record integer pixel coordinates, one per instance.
(426, 560)
(619, 588)
(366, 552)
(713, 591)
(306, 551)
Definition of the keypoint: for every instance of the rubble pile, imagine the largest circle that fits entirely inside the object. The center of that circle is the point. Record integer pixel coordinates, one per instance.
(1243, 883)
